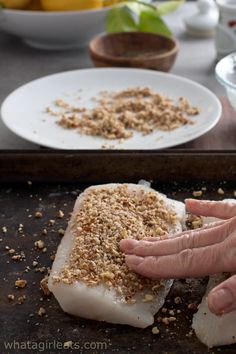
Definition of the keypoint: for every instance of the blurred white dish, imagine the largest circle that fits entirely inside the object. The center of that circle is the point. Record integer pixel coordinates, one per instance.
(54, 30)
(226, 74)
(23, 111)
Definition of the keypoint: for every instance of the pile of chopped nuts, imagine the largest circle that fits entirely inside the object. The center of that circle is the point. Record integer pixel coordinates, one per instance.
(118, 114)
(106, 216)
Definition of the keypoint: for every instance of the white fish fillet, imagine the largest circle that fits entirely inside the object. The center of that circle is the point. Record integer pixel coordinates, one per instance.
(101, 303)
(210, 329)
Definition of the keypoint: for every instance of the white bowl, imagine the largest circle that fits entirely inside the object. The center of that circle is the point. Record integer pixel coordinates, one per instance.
(226, 74)
(54, 30)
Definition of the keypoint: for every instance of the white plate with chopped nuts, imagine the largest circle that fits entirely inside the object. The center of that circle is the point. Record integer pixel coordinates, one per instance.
(129, 109)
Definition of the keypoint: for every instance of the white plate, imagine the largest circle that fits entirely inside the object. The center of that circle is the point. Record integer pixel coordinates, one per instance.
(23, 111)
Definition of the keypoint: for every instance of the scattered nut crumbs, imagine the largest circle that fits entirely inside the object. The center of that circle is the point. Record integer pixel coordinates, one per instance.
(192, 306)
(197, 193)
(4, 229)
(220, 191)
(41, 311)
(44, 232)
(20, 283)
(51, 222)
(38, 215)
(11, 297)
(40, 269)
(18, 257)
(60, 214)
(39, 244)
(177, 300)
(155, 330)
(52, 257)
(44, 286)
(68, 344)
(118, 114)
(21, 229)
(61, 232)
(168, 320)
(21, 299)
(35, 263)
(106, 216)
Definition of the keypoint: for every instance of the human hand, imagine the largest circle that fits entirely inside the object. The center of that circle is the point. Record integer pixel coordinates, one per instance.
(194, 253)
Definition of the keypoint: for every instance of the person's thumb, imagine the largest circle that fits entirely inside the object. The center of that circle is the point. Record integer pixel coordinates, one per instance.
(222, 299)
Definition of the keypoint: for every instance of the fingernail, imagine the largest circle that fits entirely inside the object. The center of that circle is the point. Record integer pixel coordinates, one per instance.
(133, 261)
(221, 300)
(190, 200)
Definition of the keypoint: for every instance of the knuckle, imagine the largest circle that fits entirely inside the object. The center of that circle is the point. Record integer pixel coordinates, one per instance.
(233, 222)
(186, 258)
(144, 247)
(188, 241)
(229, 256)
(150, 266)
(184, 242)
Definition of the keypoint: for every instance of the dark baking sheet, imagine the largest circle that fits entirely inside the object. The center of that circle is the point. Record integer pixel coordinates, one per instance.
(57, 179)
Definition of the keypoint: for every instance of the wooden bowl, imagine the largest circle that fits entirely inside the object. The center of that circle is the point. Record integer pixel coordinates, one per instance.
(135, 50)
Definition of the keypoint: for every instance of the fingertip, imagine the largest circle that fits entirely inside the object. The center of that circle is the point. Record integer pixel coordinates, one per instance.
(128, 244)
(211, 304)
(123, 243)
(189, 202)
(220, 300)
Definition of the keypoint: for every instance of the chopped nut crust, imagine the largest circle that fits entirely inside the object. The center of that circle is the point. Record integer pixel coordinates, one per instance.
(39, 244)
(60, 214)
(38, 214)
(51, 222)
(20, 283)
(197, 193)
(155, 330)
(106, 217)
(194, 221)
(118, 114)
(11, 297)
(61, 232)
(41, 311)
(220, 191)
(44, 286)
(68, 344)
(21, 299)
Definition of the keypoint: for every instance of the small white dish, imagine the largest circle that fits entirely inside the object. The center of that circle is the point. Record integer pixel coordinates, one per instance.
(54, 30)
(23, 111)
(204, 22)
